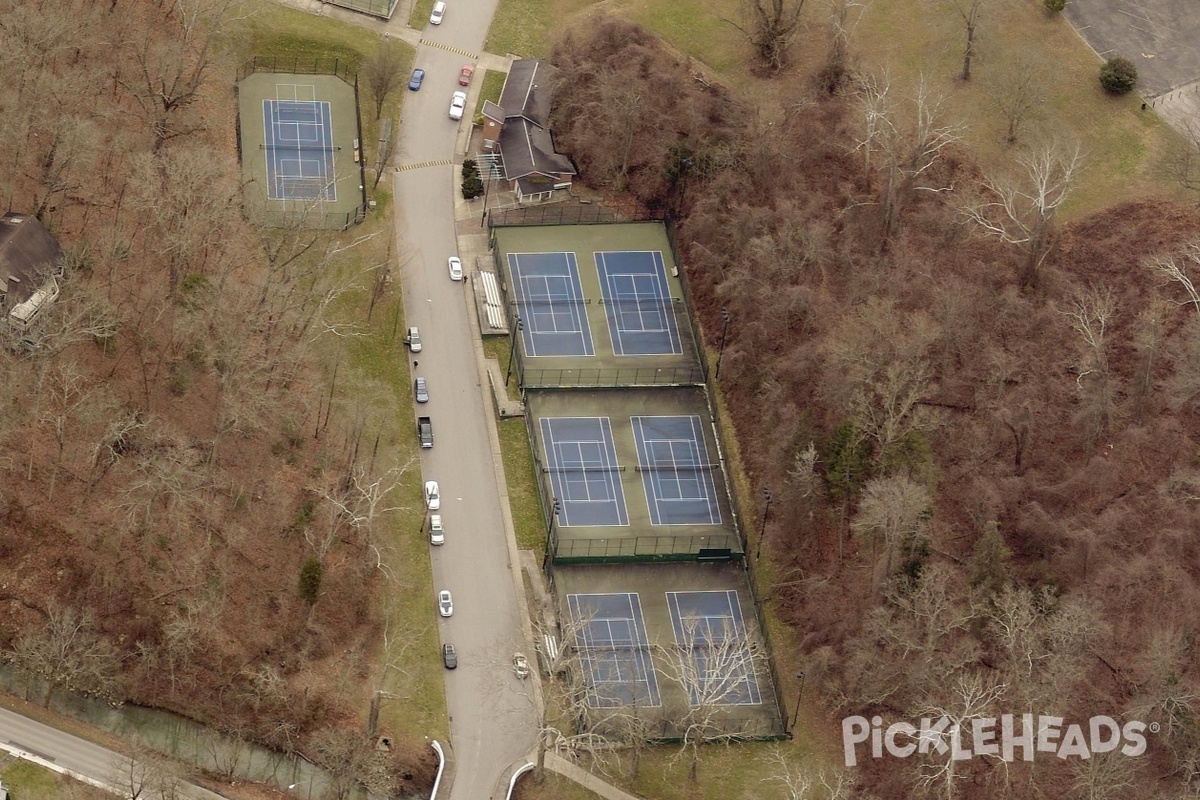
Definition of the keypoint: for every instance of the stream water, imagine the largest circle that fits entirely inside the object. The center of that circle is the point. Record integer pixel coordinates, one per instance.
(185, 739)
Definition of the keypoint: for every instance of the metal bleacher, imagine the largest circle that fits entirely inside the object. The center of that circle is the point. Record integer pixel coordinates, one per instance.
(493, 309)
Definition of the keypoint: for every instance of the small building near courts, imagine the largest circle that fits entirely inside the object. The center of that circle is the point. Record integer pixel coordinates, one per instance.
(518, 126)
(31, 263)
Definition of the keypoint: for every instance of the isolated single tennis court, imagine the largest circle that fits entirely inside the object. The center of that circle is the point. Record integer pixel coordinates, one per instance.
(298, 138)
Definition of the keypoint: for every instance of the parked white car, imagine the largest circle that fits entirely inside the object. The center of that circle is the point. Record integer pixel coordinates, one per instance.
(456, 273)
(438, 13)
(520, 665)
(433, 496)
(445, 603)
(437, 534)
(458, 103)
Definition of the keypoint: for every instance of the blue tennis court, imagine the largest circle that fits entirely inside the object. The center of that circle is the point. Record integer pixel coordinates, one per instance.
(584, 472)
(614, 649)
(711, 632)
(298, 136)
(676, 472)
(550, 304)
(638, 303)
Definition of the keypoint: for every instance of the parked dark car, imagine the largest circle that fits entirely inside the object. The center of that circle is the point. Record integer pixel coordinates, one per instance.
(421, 390)
(414, 83)
(449, 657)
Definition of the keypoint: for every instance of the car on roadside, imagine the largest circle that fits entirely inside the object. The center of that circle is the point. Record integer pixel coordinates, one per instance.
(464, 77)
(456, 273)
(449, 656)
(421, 390)
(520, 665)
(438, 14)
(445, 603)
(414, 83)
(412, 338)
(433, 495)
(458, 104)
(437, 534)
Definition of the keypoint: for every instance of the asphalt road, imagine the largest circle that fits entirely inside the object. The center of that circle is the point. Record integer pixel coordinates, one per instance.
(69, 754)
(492, 720)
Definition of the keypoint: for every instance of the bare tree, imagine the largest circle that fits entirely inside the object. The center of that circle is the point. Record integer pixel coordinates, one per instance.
(803, 783)
(169, 75)
(893, 512)
(69, 653)
(713, 662)
(1106, 776)
(771, 27)
(381, 72)
(1015, 88)
(908, 149)
(1183, 385)
(356, 501)
(843, 19)
(1184, 161)
(970, 12)
(1043, 642)
(145, 774)
(1090, 313)
(1180, 268)
(1150, 332)
(971, 696)
(1021, 211)
(181, 194)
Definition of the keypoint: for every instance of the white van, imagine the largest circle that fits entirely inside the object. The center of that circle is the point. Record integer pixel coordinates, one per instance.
(439, 11)
(437, 534)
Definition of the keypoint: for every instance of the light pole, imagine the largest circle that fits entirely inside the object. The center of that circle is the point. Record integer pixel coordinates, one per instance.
(724, 331)
(550, 532)
(512, 353)
(762, 531)
(799, 694)
(486, 184)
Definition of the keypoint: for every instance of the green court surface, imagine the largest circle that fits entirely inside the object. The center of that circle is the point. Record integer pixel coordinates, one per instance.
(604, 367)
(279, 184)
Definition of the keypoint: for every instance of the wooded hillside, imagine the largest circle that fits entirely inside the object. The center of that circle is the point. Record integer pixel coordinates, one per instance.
(186, 507)
(979, 424)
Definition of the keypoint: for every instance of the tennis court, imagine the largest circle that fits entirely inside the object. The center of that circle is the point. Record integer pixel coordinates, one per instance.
(581, 458)
(298, 138)
(711, 631)
(550, 304)
(676, 472)
(614, 650)
(637, 301)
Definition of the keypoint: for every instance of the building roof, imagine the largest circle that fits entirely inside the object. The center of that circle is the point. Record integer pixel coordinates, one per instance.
(492, 111)
(529, 149)
(28, 255)
(521, 96)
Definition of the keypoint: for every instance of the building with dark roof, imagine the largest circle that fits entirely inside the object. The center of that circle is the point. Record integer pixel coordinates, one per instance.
(31, 262)
(518, 127)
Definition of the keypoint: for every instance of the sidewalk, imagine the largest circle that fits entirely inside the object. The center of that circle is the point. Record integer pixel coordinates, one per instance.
(556, 763)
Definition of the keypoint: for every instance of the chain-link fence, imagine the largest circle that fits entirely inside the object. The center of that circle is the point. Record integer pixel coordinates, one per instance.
(299, 66)
(642, 549)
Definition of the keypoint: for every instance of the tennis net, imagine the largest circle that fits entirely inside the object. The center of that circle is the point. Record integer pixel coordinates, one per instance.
(286, 146)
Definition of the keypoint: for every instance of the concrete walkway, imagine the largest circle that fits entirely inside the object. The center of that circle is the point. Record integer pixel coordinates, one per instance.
(556, 763)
